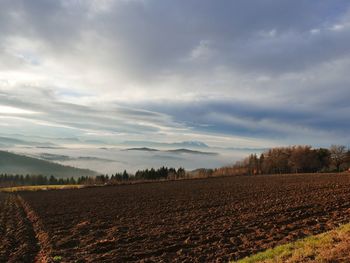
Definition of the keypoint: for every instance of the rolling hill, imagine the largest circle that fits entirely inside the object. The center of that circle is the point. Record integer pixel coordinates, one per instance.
(145, 149)
(12, 163)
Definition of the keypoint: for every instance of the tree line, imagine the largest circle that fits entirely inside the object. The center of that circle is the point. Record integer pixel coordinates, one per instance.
(8, 180)
(292, 159)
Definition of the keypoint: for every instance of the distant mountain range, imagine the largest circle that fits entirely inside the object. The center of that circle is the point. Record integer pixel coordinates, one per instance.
(12, 163)
(59, 143)
(191, 152)
(184, 144)
(176, 151)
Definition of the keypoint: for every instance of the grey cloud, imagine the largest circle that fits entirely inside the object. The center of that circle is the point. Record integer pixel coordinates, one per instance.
(158, 33)
(149, 37)
(207, 48)
(243, 119)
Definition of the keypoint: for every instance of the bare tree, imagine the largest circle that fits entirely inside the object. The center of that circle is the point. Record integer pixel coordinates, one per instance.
(338, 155)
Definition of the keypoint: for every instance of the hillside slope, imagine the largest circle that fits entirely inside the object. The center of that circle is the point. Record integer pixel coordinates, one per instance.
(12, 163)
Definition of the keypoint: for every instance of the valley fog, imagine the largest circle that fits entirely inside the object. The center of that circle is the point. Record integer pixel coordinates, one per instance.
(112, 160)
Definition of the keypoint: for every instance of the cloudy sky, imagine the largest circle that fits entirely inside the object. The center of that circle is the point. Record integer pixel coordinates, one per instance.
(228, 73)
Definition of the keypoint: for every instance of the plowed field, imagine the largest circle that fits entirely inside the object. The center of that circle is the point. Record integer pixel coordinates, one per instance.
(18, 242)
(192, 220)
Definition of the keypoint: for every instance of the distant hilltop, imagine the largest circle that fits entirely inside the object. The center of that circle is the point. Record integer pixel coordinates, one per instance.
(191, 152)
(175, 151)
(146, 149)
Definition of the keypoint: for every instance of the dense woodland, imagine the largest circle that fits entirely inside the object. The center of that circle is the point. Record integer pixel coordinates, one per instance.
(281, 160)
(293, 159)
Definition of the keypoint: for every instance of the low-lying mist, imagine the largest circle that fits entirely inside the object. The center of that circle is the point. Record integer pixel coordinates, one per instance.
(112, 160)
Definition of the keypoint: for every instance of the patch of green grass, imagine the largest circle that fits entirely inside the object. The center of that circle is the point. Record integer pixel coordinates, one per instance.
(302, 250)
(39, 188)
(57, 259)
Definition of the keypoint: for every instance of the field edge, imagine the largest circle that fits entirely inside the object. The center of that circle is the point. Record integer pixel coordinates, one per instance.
(34, 188)
(325, 247)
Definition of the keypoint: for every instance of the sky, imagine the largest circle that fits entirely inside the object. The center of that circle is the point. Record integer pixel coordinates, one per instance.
(245, 74)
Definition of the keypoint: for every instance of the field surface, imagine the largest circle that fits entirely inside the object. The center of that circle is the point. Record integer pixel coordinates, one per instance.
(192, 220)
(18, 242)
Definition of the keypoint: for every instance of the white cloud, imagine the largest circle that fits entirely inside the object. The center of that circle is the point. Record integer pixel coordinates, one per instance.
(315, 31)
(338, 27)
(202, 52)
(6, 110)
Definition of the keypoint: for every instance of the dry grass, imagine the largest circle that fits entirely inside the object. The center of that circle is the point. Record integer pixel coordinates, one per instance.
(332, 246)
(39, 188)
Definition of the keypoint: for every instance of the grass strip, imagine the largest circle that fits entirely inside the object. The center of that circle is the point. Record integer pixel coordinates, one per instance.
(330, 246)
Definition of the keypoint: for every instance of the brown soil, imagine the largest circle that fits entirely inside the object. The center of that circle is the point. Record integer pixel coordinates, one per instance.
(206, 220)
(18, 241)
